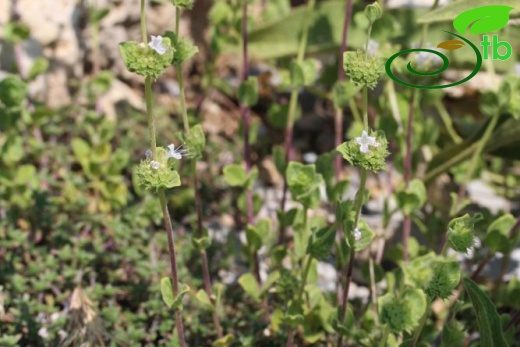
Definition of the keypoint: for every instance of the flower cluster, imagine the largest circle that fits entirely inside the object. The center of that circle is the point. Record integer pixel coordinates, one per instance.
(147, 60)
(366, 151)
(159, 172)
(362, 68)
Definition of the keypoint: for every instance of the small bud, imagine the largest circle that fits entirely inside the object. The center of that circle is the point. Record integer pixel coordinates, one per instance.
(460, 233)
(362, 69)
(373, 12)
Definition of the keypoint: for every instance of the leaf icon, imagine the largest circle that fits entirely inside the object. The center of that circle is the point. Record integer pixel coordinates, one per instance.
(481, 20)
(451, 45)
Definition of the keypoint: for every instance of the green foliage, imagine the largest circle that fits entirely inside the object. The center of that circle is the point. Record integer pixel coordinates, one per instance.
(248, 92)
(498, 238)
(12, 91)
(373, 12)
(170, 299)
(488, 320)
(303, 73)
(304, 182)
(144, 61)
(320, 243)
(16, 32)
(413, 198)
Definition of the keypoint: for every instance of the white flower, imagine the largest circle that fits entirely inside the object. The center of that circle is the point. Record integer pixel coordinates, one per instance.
(148, 154)
(357, 234)
(157, 45)
(175, 153)
(364, 141)
(155, 165)
(372, 48)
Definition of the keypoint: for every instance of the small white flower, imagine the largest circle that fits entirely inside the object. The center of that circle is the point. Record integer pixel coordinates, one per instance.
(364, 141)
(175, 153)
(357, 234)
(157, 45)
(372, 48)
(155, 165)
(148, 154)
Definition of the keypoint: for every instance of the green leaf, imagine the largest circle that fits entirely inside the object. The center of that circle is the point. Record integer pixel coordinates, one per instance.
(321, 242)
(413, 198)
(303, 73)
(497, 238)
(16, 32)
(373, 12)
(482, 19)
(367, 235)
(250, 285)
(12, 91)
(204, 300)
(454, 9)
(167, 291)
(452, 335)
(488, 320)
(224, 341)
(203, 242)
(40, 66)
(235, 175)
(97, 15)
(248, 92)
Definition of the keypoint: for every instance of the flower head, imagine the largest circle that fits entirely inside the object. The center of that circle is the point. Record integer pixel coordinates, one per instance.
(357, 234)
(364, 141)
(176, 153)
(157, 45)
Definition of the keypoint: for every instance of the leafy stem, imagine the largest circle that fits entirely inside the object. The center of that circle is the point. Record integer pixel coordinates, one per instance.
(293, 103)
(384, 338)
(198, 202)
(162, 197)
(419, 329)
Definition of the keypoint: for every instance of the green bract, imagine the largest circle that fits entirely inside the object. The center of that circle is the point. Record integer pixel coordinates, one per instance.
(372, 161)
(184, 48)
(159, 173)
(413, 198)
(144, 61)
(362, 69)
(303, 182)
(183, 3)
(460, 233)
(402, 313)
(446, 276)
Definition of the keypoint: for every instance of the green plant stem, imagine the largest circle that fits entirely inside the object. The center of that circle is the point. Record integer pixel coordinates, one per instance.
(143, 21)
(149, 113)
(419, 329)
(173, 265)
(198, 201)
(365, 107)
(293, 103)
(358, 203)
(446, 119)
(384, 338)
(355, 111)
(305, 274)
(162, 198)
